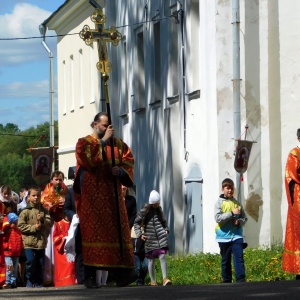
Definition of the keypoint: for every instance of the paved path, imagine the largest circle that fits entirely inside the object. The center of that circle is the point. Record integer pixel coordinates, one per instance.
(249, 290)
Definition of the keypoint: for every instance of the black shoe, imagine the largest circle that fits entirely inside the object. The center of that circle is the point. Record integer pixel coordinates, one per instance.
(20, 283)
(298, 277)
(125, 277)
(90, 283)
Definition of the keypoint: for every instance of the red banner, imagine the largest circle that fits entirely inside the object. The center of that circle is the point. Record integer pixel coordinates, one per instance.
(42, 159)
(242, 155)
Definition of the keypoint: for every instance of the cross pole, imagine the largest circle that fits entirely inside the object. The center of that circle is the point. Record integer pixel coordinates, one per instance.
(103, 36)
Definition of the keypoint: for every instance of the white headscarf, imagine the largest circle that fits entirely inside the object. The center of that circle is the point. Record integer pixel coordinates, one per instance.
(2, 198)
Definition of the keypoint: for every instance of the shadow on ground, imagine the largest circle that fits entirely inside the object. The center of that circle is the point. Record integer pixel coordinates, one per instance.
(247, 290)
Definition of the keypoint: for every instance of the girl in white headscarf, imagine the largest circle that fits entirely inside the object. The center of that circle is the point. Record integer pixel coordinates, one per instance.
(7, 199)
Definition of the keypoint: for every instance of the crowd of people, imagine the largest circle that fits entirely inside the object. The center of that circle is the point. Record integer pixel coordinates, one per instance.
(91, 232)
(37, 225)
(33, 237)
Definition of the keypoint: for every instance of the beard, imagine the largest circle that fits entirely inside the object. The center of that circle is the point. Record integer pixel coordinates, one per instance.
(100, 133)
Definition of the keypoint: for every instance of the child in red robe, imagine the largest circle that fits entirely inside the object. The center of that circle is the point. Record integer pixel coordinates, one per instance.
(64, 271)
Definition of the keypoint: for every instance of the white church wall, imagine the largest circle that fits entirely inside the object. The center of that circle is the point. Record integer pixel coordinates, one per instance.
(269, 89)
(208, 153)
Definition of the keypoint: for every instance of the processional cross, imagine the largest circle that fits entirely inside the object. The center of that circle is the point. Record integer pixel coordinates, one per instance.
(103, 36)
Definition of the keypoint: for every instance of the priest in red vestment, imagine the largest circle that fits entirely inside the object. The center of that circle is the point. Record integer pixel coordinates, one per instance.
(64, 271)
(291, 253)
(96, 203)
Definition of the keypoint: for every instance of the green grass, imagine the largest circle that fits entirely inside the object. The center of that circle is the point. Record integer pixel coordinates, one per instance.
(263, 264)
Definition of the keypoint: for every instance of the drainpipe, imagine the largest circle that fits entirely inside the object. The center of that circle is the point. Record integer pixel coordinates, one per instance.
(180, 20)
(236, 76)
(43, 29)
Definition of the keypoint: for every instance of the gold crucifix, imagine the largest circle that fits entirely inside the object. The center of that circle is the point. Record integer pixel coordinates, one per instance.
(102, 36)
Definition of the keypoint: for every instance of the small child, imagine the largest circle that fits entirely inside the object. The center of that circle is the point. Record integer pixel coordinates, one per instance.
(6, 197)
(230, 217)
(155, 235)
(12, 245)
(140, 260)
(34, 223)
(64, 271)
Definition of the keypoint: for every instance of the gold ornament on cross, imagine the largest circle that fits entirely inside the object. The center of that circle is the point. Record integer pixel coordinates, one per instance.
(102, 37)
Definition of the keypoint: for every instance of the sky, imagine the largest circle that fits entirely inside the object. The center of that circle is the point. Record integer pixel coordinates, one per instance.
(24, 64)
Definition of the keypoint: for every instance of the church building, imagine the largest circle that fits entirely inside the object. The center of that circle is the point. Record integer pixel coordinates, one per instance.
(188, 79)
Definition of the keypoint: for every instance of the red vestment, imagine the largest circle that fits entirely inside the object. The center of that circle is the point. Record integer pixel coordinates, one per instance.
(50, 198)
(64, 271)
(96, 205)
(3, 210)
(291, 253)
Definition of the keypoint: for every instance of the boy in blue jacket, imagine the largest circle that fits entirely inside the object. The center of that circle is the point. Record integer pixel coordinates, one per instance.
(230, 217)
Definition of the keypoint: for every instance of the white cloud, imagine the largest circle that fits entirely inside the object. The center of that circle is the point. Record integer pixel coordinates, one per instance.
(26, 103)
(27, 113)
(35, 89)
(23, 22)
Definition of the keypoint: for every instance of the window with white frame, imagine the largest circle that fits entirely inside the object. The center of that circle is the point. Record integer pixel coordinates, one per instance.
(64, 85)
(139, 80)
(81, 86)
(173, 57)
(92, 74)
(157, 62)
(124, 78)
(192, 50)
(72, 92)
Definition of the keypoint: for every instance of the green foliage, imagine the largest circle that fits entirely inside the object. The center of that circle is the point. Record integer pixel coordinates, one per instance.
(15, 157)
(260, 264)
(9, 128)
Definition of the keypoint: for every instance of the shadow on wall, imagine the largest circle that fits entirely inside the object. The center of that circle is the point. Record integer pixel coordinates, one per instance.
(170, 190)
(255, 119)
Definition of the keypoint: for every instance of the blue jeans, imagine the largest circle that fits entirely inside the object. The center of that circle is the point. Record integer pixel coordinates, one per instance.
(35, 264)
(236, 248)
(141, 268)
(11, 263)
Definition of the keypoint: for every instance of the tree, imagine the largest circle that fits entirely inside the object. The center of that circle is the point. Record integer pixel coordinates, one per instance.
(15, 156)
(9, 128)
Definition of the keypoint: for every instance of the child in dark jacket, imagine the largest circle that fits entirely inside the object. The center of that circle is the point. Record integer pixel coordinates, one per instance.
(34, 223)
(12, 246)
(140, 260)
(151, 226)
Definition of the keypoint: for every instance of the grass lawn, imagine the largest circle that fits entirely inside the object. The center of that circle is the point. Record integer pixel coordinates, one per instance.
(263, 264)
